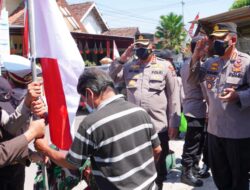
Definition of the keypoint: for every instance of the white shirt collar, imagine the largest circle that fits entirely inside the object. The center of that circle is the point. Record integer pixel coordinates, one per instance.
(107, 101)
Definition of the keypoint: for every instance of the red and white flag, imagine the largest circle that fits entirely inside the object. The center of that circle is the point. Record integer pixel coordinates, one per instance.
(115, 51)
(190, 31)
(61, 64)
(1, 6)
(26, 49)
(108, 48)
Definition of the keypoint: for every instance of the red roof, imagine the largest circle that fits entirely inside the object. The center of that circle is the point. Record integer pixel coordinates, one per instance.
(123, 32)
(17, 17)
(80, 9)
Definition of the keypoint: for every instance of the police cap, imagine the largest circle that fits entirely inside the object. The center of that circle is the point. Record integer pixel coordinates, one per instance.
(221, 29)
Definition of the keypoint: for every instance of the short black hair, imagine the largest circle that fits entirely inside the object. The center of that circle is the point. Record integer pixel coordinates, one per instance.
(95, 79)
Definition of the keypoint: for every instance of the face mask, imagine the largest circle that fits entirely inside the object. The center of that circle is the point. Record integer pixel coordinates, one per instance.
(90, 110)
(143, 53)
(220, 47)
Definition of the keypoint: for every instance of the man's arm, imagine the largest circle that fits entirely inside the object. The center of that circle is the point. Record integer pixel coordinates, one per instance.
(58, 157)
(199, 54)
(116, 67)
(241, 95)
(15, 123)
(16, 148)
(173, 97)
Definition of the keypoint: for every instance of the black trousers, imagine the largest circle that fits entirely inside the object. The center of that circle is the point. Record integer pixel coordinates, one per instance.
(194, 141)
(205, 148)
(229, 160)
(12, 177)
(161, 167)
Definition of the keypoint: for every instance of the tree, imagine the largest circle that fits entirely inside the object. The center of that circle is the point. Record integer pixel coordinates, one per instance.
(171, 32)
(239, 3)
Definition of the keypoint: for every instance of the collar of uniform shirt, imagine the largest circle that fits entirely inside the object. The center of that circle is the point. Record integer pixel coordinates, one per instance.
(106, 102)
(151, 60)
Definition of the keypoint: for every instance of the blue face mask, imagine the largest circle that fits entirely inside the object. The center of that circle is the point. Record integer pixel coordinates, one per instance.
(90, 110)
(220, 47)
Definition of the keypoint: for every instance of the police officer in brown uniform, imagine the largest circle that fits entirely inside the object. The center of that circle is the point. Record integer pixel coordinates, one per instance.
(12, 175)
(194, 109)
(227, 80)
(151, 83)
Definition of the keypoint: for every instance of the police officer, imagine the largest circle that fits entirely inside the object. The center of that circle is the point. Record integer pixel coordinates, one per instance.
(18, 73)
(194, 109)
(227, 81)
(151, 83)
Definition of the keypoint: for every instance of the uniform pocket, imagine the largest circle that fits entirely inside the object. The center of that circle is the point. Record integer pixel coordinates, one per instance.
(156, 82)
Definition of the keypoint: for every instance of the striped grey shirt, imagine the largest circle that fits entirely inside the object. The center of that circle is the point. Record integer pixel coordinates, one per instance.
(119, 139)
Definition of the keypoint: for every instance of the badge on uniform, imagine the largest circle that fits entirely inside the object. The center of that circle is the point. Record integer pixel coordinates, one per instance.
(209, 85)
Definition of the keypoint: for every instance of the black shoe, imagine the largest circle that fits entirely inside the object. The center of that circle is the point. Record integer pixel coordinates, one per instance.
(159, 186)
(196, 169)
(188, 178)
(203, 173)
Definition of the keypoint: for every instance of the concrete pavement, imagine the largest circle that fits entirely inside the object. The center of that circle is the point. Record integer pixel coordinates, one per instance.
(173, 181)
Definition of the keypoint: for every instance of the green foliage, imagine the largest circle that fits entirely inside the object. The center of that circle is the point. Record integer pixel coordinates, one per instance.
(239, 3)
(89, 63)
(171, 32)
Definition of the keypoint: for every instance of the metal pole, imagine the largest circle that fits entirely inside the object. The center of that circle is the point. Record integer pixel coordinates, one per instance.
(33, 66)
(32, 39)
(182, 6)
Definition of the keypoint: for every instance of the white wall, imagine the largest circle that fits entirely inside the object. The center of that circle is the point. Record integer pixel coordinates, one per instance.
(91, 24)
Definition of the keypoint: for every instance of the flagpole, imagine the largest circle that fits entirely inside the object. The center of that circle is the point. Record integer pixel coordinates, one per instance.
(33, 65)
(32, 39)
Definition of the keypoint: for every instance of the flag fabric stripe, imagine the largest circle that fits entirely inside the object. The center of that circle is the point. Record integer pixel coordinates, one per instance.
(190, 31)
(56, 103)
(115, 51)
(26, 32)
(54, 41)
(1, 4)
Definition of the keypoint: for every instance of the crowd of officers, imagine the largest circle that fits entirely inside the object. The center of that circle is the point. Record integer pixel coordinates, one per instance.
(213, 92)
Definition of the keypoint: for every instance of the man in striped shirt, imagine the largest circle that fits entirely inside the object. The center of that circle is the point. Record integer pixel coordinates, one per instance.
(118, 137)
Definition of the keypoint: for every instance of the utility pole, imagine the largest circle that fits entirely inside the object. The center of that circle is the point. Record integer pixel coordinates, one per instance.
(182, 7)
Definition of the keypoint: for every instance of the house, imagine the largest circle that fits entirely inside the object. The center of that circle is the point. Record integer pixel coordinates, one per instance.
(88, 28)
(240, 16)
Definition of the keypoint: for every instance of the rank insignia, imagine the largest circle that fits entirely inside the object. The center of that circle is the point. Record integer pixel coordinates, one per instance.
(214, 67)
(135, 66)
(216, 27)
(234, 56)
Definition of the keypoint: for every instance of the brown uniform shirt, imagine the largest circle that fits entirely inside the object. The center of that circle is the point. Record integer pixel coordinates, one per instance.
(13, 148)
(152, 86)
(227, 120)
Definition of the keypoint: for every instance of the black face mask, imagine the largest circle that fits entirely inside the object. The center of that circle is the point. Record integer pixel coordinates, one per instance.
(143, 53)
(220, 47)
